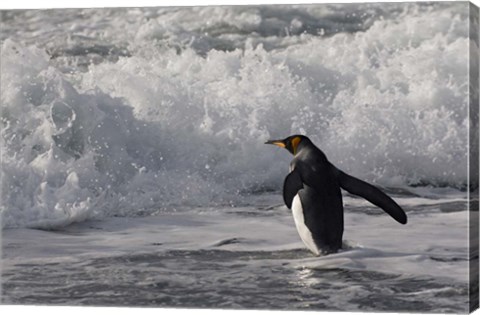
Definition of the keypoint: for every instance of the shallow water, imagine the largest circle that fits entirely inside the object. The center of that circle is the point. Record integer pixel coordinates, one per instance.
(224, 279)
(243, 258)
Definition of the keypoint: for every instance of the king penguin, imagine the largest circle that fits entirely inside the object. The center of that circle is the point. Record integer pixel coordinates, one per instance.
(312, 191)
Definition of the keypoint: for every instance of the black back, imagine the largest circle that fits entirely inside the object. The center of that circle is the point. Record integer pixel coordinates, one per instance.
(320, 196)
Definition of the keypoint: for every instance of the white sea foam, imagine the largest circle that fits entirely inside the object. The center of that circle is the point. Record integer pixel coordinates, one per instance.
(431, 245)
(134, 111)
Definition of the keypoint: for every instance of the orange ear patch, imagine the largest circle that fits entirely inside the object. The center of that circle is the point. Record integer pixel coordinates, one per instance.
(295, 142)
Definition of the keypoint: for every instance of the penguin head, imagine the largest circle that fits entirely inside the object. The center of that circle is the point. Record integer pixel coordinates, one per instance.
(293, 143)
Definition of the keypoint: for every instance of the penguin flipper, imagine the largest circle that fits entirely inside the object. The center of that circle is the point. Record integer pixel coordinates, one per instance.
(292, 184)
(373, 194)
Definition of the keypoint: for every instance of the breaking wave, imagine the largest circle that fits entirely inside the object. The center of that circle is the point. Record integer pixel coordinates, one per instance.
(166, 117)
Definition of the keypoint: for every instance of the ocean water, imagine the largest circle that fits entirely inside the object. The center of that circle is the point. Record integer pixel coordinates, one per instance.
(134, 170)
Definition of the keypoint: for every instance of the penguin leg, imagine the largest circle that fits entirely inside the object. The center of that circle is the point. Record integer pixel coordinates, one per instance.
(373, 194)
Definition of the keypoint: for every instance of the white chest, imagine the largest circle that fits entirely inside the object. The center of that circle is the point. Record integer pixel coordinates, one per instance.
(303, 231)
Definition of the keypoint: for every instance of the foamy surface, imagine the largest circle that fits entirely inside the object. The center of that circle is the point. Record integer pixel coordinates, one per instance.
(132, 112)
(246, 257)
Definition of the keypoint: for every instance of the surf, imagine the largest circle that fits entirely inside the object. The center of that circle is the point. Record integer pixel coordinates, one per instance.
(160, 125)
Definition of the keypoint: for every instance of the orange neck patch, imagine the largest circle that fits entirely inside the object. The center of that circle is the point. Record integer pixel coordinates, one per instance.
(295, 143)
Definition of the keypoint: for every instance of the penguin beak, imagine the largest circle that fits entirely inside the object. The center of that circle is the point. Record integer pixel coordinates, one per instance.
(279, 143)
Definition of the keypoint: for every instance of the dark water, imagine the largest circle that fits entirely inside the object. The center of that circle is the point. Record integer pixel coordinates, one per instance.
(226, 279)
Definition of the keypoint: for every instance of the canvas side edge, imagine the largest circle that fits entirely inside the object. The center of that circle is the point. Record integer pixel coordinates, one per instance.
(473, 152)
